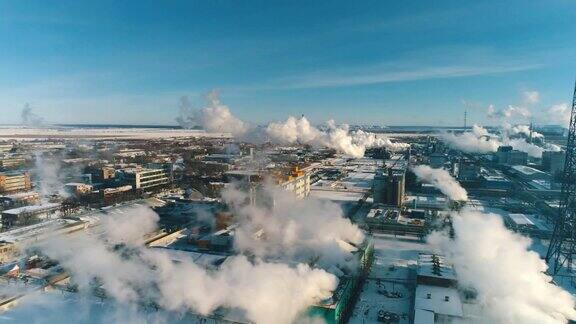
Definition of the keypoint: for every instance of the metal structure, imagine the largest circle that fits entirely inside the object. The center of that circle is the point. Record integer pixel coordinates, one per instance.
(562, 251)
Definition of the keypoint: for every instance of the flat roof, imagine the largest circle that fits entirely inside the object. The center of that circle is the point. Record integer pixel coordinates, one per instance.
(31, 209)
(520, 219)
(437, 302)
(20, 195)
(526, 170)
(426, 267)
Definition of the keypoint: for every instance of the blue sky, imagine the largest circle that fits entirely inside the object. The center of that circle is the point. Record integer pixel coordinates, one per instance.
(375, 62)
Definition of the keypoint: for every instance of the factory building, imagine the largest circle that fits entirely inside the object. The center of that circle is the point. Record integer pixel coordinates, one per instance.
(27, 215)
(337, 309)
(528, 225)
(389, 187)
(109, 196)
(78, 189)
(466, 170)
(553, 162)
(528, 174)
(147, 178)
(507, 155)
(437, 160)
(297, 182)
(436, 299)
(391, 221)
(19, 199)
(14, 182)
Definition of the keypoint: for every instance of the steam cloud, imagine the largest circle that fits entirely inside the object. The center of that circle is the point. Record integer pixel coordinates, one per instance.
(136, 275)
(29, 118)
(290, 229)
(299, 130)
(442, 180)
(521, 130)
(509, 278)
(479, 140)
(48, 172)
(215, 117)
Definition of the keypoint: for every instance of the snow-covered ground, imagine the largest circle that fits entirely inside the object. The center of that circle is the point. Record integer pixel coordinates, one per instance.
(22, 133)
(393, 271)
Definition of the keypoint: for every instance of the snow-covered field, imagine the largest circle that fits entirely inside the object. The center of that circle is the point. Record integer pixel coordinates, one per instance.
(30, 133)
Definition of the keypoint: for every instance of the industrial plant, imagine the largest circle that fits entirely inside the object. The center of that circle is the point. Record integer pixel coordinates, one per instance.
(240, 162)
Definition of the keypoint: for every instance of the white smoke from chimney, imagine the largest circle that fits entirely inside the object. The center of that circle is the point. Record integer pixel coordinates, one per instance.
(520, 130)
(215, 117)
(338, 137)
(294, 130)
(29, 118)
(267, 292)
(47, 172)
(133, 274)
(370, 140)
(477, 141)
(442, 180)
(480, 140)
(289, 229)
(510, 279)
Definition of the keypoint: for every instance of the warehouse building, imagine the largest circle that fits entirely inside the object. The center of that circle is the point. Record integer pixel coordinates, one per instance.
(507, 155)
(27, 215)
(19, 199)
(528, 225)
(528, 174)
(436, 299)
(553, 162)
(391, 221)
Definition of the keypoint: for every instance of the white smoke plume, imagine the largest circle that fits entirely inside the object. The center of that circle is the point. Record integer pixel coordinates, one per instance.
(285, 291)
(294, 229)
(299, 130)
(136, 275)
(215, 117)
(47, 172)
(370, 140)
(480, 140)
(509, 112)
(294, 130)
(186, 114)
(476, 141)
(510, 279)
(442, 180)
(521, 145)
(559, 114)
(29, 118)
(521, 130)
